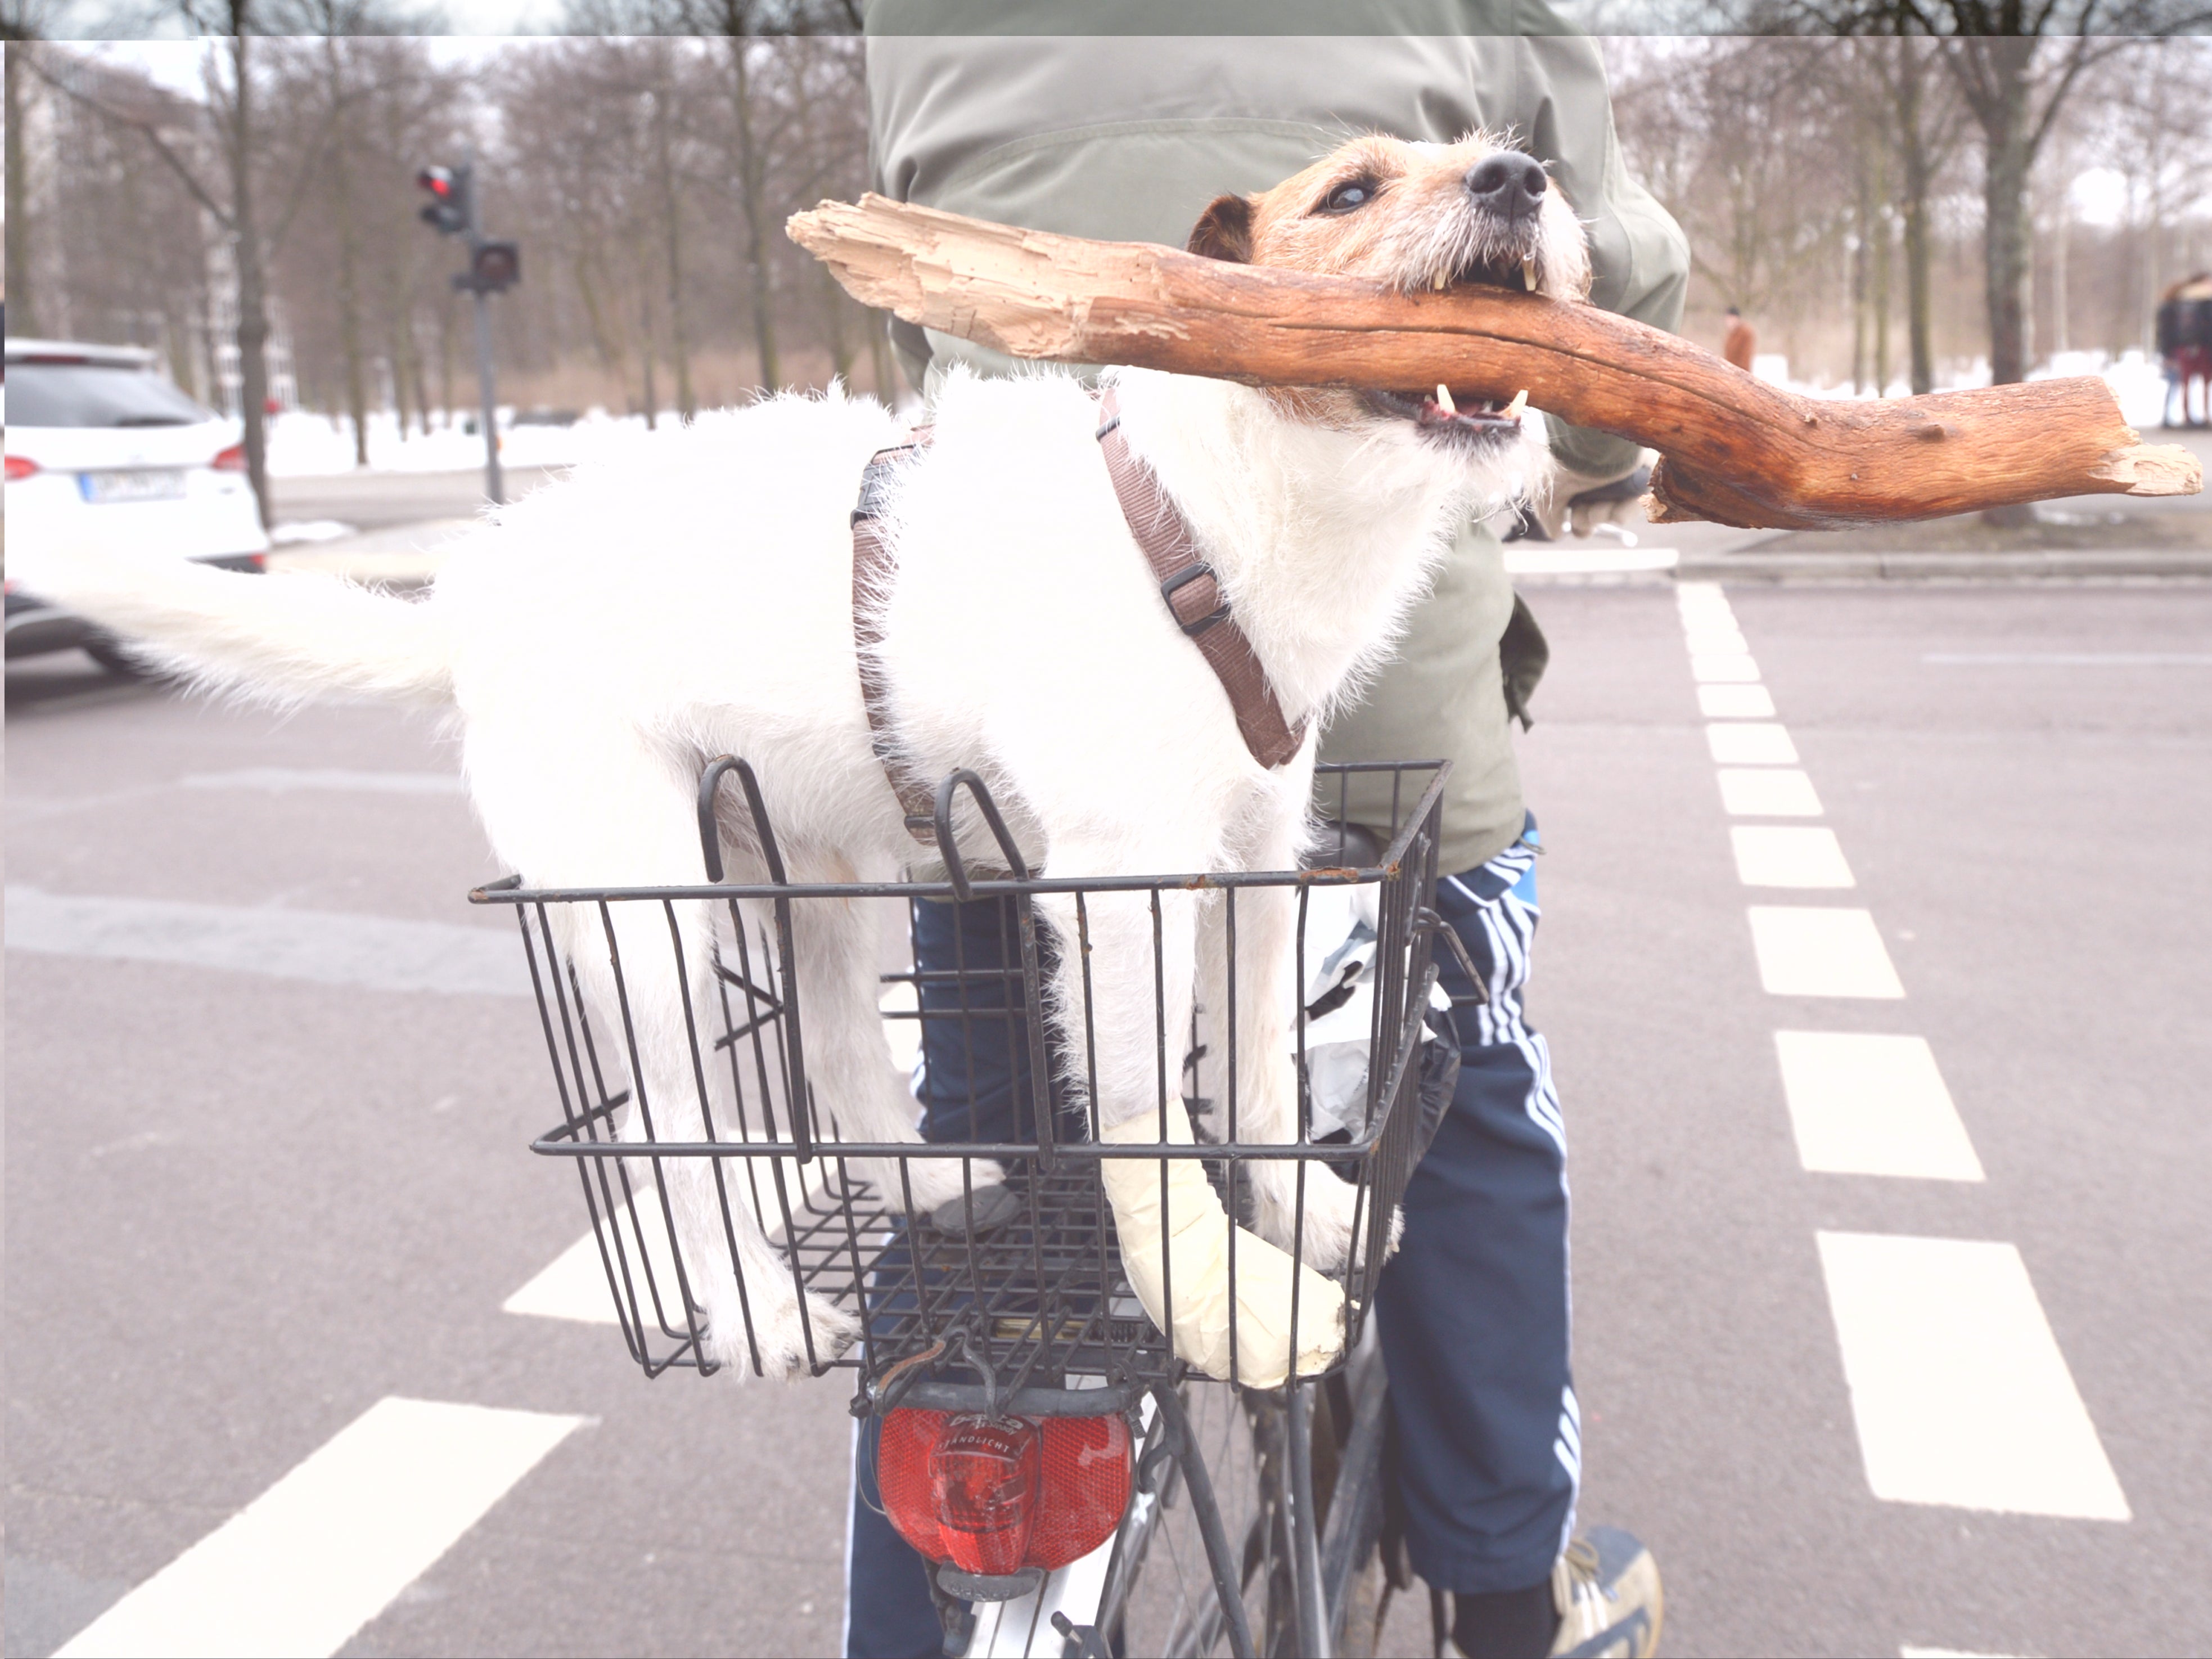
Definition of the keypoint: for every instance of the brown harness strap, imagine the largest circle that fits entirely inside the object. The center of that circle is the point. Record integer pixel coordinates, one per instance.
(871, 581)
(1194, 595)
(1187, 586)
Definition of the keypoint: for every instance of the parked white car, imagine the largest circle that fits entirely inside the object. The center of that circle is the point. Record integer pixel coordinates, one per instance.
(100, 446)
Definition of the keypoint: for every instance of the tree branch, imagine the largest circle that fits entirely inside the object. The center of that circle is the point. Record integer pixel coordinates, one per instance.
(145, 128)
(1737, 450)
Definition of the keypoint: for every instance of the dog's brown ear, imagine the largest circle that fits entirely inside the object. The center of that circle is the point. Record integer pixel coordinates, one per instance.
(1223, 231)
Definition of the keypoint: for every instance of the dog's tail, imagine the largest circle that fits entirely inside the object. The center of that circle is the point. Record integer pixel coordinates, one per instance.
(285, 638)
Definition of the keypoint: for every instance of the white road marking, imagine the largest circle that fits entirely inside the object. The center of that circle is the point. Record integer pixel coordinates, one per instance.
(1723, 667)
(378, 953)
(1869, 1105)
(1717, 637)
(1958, 1390)
(1809, 953)
(1751, 743)
(1777, 793)
(321, 1553)
(1522, 559)
(2069, 659)
(285, 780)
(1910, 1651)
(1725, 702)
(1789, 855)
(574, 1285)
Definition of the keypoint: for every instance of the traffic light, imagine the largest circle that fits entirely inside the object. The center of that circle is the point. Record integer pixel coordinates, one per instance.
(448, 207)
(494, 268)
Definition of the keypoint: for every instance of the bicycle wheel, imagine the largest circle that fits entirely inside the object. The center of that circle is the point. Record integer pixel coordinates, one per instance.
(1320, 1589)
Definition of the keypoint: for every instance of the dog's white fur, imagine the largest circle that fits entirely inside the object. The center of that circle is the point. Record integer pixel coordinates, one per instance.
(601, 640)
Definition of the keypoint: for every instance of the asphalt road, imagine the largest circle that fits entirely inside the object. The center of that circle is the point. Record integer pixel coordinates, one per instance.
(381, 500)
(244, 1205)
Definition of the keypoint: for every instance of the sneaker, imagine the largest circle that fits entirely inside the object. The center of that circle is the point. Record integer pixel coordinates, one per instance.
(1607, 1589)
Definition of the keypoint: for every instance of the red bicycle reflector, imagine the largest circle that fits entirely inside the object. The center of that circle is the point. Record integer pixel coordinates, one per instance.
(20, 466)
(232, 460)
(902, 1477)
(1086, 1488)
(986, 1479)
(992, 1498)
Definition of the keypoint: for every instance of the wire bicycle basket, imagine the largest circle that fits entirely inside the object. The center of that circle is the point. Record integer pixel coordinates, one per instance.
(1024, 1289)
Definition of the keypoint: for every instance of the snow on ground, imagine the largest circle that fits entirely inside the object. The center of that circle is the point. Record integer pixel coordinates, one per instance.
(306, 445)
(2138, 384)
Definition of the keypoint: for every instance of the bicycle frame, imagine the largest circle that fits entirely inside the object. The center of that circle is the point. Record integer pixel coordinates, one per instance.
(1014, 1322)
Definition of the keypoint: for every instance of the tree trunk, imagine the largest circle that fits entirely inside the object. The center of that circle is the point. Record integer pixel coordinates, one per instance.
(246, 245)
(1861, 278)
(1912, 151)
(680, 343)
(1881, 304)
(1879, 227)
(2007, 154)
(751, 183)
(1736, 450)
(645, 350)
(356, 386)
(406, 370)
(2062, 249)
(446, 359)
(879, 357)
(840, 348)
(23, 300)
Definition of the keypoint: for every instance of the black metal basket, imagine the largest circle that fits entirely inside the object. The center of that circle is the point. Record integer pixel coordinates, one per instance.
(1022, 1306)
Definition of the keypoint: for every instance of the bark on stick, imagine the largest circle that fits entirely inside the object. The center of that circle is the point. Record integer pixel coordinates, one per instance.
(1736, 450)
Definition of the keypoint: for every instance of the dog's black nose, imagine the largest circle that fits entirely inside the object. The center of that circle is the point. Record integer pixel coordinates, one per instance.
(1508, 184)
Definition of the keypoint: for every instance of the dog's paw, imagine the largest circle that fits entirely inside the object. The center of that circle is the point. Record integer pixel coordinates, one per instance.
(1329, 1208)
(936, 1189)
(971, 1216)
(781, 1333)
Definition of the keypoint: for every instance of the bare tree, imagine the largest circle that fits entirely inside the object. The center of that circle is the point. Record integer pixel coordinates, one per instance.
(2014, 64)
(230, 123)
(22, 22)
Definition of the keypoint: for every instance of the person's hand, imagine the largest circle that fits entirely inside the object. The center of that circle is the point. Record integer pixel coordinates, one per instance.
(1579, 504)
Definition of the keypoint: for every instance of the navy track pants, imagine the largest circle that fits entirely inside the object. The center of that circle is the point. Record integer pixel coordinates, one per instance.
(1473, 1307)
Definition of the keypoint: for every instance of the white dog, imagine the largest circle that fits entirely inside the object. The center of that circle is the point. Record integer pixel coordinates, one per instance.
(601, 640)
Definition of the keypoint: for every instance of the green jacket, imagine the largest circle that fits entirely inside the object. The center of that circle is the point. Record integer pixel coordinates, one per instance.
(1124, 122)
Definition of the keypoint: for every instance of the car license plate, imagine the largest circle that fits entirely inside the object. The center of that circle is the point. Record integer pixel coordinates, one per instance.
(148, 483)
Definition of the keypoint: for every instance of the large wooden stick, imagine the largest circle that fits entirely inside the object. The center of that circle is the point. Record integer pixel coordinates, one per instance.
(1736, 450)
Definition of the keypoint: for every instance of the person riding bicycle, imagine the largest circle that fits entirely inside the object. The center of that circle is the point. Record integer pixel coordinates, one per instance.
(1045, 122)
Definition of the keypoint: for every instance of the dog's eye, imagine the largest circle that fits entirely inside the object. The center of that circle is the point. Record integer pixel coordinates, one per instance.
(1347, 197)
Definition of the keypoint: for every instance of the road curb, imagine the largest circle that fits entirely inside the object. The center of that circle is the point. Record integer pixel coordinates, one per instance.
(2075, 565)
(405, 556)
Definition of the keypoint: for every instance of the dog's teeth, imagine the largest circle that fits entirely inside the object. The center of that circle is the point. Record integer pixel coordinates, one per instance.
(1512, 410)
(1444, 399)
(1529, 275)
(1441, 280)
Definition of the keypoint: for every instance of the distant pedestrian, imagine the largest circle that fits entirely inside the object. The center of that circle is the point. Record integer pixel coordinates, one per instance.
(1742, 340)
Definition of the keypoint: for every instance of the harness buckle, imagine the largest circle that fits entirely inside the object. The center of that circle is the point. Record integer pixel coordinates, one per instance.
(1183, 578)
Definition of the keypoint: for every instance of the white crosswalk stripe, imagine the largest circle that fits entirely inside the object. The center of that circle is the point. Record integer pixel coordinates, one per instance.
(1767, 793)
(1960, 1393)
(1722, 702)
(1808, 952)
(309, 1562)
(1789, 855)
(1958, 1389)
(375, 953)
(1864, 1104)
(1760, 743)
